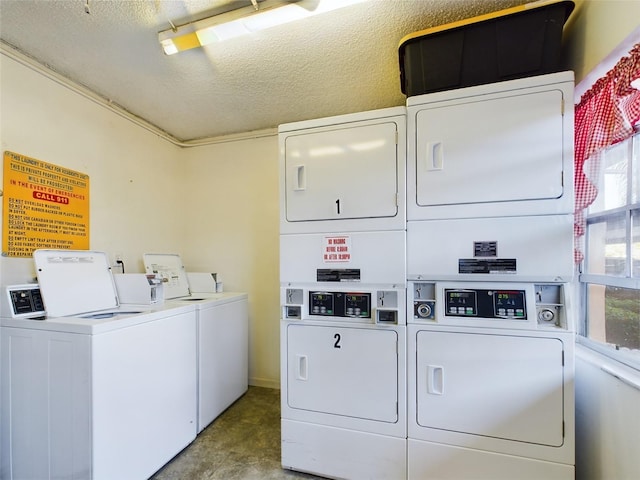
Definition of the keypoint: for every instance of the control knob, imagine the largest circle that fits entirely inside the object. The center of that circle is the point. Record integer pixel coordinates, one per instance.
(424, 310)
(546, 315)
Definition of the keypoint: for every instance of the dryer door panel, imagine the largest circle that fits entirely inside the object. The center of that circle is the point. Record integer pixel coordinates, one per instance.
(342, 173)
(506, 387)
(490, 150)
(351, 372)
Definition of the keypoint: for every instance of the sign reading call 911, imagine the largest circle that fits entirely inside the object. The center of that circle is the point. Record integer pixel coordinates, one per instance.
(44, 206)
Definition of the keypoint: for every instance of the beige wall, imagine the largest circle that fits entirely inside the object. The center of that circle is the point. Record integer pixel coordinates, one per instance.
(135, 178)
(595, 28)
(232, 198)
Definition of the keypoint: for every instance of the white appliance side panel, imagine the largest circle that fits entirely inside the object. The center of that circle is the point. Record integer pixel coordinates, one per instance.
(541, 245)
(496, 386)
(342, 453)
(223, 358)
(350, 372)
(380, 256)
(46, 400)
(448, 462)
(144, 396)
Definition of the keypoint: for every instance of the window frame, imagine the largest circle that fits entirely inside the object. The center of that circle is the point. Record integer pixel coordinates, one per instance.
(629, 357)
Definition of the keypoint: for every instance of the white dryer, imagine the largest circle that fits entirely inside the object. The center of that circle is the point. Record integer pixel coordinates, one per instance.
(342, 284)
(491, 381)
(495, 150)
(222, 321)
(79, 400)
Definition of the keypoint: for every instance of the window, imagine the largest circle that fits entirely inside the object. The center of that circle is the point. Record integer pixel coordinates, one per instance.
(611, 276)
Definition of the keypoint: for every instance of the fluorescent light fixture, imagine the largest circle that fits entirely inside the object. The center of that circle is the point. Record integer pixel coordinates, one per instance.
(243, 21)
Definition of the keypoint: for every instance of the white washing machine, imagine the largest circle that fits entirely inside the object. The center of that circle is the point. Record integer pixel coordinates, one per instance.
(491, 381)
(342, 279)
(78, 398)
(222, 336)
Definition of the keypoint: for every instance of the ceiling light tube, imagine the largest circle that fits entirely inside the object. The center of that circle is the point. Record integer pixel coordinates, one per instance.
(243, 21)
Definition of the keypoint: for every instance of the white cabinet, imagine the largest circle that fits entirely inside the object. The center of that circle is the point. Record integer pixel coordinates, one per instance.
(346, 170)
(115, 403)
(492, 150)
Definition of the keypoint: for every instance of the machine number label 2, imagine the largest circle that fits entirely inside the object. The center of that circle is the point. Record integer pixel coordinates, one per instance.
(337, 343)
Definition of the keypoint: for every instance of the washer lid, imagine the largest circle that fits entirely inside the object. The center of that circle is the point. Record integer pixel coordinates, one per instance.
(74, 282)
(170, 269)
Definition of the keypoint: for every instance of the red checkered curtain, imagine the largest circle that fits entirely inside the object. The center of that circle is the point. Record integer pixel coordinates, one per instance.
(606, 114)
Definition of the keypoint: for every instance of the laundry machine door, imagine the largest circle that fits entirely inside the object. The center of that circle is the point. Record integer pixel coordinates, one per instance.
(328, 173)
(498, 386)
(486, 151)
(344, 371)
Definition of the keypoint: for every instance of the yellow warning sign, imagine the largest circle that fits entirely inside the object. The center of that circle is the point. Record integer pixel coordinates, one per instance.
(44, 206)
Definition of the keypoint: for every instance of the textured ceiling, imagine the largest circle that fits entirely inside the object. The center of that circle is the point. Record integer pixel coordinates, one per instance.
(339, 62)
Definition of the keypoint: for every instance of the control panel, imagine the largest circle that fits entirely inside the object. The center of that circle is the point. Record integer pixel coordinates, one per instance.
(340, 304)
(366, 305)
(485, 303)
(25, 301)
(491, 304)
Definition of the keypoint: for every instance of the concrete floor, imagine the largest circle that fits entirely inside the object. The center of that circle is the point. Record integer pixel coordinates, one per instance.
(241, 444)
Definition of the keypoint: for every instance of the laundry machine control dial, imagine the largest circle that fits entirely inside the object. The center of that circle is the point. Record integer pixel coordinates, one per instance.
(423, 310)
(546, 315)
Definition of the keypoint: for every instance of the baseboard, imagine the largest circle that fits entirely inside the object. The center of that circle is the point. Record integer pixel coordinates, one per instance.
(264, 382)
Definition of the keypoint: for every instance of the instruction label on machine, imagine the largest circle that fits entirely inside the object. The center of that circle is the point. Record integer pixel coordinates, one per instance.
(336, 249)
(490, 265)
(44, 205)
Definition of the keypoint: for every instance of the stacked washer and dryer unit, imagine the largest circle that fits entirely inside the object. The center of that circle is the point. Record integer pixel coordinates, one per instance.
(488, 318)
(489, 257)
(342, 274)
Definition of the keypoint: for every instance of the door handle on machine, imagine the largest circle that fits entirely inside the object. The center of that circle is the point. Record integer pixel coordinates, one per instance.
(301, 367)
(300, 178)
(435, 380)
(434, 156)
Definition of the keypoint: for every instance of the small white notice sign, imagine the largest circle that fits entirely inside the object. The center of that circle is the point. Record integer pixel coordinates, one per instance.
(336, 249)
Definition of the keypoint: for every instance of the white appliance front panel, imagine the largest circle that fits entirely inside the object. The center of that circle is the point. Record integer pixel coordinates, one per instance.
(378, 256)
(450, 462)
(342, 453)
(343, 371)
(534, 248)
(344, 172)
(506, 150)
(489, 385)
(329, 173)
